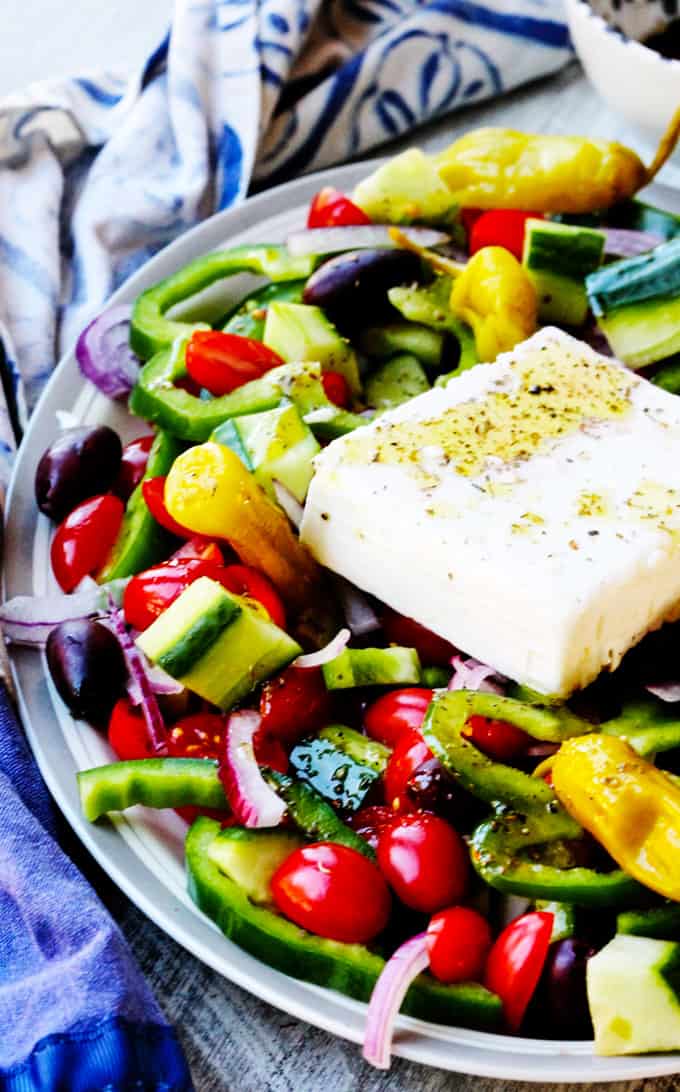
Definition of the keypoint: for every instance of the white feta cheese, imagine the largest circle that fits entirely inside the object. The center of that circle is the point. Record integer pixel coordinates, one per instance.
(529, 511)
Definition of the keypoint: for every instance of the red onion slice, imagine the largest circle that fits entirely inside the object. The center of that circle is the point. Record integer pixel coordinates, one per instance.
(288, 502)
(325, 654)
(628, 243)
(28, 619)
(133, 659)
(388, 993)
(668, 691)
(470, 674)
(251, 799)
(104, 354)
(358, 237)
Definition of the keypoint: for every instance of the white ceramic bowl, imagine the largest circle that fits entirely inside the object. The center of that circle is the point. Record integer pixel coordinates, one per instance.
(635, 80)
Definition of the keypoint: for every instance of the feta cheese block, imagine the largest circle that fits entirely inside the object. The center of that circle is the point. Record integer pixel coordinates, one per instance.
(528, 511)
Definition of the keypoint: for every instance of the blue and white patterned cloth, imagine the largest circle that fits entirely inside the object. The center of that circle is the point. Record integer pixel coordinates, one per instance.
(96, 175)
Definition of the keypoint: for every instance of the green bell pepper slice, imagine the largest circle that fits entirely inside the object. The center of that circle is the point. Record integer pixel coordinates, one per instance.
(350, 968)
(151, 331)
(313, 816)
(155, 782)
(660, 922)
(141, 541)
(648, 724)
(430, 306)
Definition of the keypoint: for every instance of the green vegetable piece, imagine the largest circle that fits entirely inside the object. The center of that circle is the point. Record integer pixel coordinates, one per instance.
(564, 918)
(430, 306)
(648, 724)
(151, 331)
(313, 816)
(249, 318)
(300, 331)
(644, 333)
(661, 922)
(372, 667)
(651, 276)
(404, 337)
(251, 857)
(359, 747)
(334, 774)
(275, 445)
(395, 382)
(154, 782)
(407, 189)
(349, 968)
(558, 258)
(435, 678)
(142, 542)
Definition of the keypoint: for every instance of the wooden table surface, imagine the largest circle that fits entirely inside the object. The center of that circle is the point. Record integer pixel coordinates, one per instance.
(234, 1042)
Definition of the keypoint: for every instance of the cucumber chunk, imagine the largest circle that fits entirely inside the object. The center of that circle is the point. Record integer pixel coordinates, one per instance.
(251, 857)
(336, 775)
(396, 381)
(301, 332)
(558, 258)
(372, 667)
(276, 446)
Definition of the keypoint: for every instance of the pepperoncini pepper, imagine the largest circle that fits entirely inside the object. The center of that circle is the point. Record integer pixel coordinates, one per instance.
(209, 490)
(495, 296)
(627, 804)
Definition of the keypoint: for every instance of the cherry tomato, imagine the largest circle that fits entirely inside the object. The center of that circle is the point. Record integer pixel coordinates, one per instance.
(244, 580)
(468, 218)
(501, 227)
(222, 362)
(397, 713)
(330, 208)
(370, 822)
(294, 704)
(332, 891)
(132, 466)
(401, 630)
(270, 752)
(408, 755)
(153, 490)
(425, 861)
(516, 961)
(458, 942)
(151, 592)
(336, 389)
(84, 539)
(128, 733)
(198, 736)
(496, 738)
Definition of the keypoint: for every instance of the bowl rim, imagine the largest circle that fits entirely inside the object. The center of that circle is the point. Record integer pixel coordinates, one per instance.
(585, 8)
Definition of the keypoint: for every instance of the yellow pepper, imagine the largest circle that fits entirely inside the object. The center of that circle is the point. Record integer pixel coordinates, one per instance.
(210, 491)
(628, 805)
(503, 168)
(495, 296)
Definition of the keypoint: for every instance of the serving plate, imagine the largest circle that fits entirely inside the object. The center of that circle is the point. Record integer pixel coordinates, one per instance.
(142, 850)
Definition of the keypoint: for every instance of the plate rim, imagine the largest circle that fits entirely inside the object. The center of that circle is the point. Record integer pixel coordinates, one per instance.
(476, 1053)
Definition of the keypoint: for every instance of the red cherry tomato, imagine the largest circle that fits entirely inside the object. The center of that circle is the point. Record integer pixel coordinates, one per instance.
(496, 738)
(336, 389)
(151, 592)
(270, 752)
(222, 362)
(294, 704)
(516, 961)
(397, 713)
(425, 861)
(330, 208)
(128, 733)
(84, 539)
(198, 736)
(401, 630)
(410, 753)
(501, 227)
(370, 822)
(244, 580)
(332, 891)
(458, 942)
(153, 491)
(132, 466)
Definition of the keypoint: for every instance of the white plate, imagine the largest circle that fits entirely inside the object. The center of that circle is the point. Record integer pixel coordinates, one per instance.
(142, 850)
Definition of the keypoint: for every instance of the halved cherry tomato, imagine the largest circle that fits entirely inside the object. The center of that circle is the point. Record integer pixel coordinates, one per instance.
(458, 942)
(397, 713)
(516, 961)
(501, 227)
(153, 491)
(294, 704)
(410, 753)
(330, 208)
(425, 861)
(332, 891)
(244, 580)
(198, 736)
(401, 630)
(336, 389)
(151, 592)
(84, 539)
(370, 822)
(222, 362)
(496, 738)
(128, 733)
(132, 466)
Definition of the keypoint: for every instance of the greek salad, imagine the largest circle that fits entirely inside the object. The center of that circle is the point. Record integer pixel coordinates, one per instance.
(383, 599)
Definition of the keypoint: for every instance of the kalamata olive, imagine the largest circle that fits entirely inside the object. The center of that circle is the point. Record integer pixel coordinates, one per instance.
(87, 668)
(352, 288)
(564, 976)
(81, 463)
